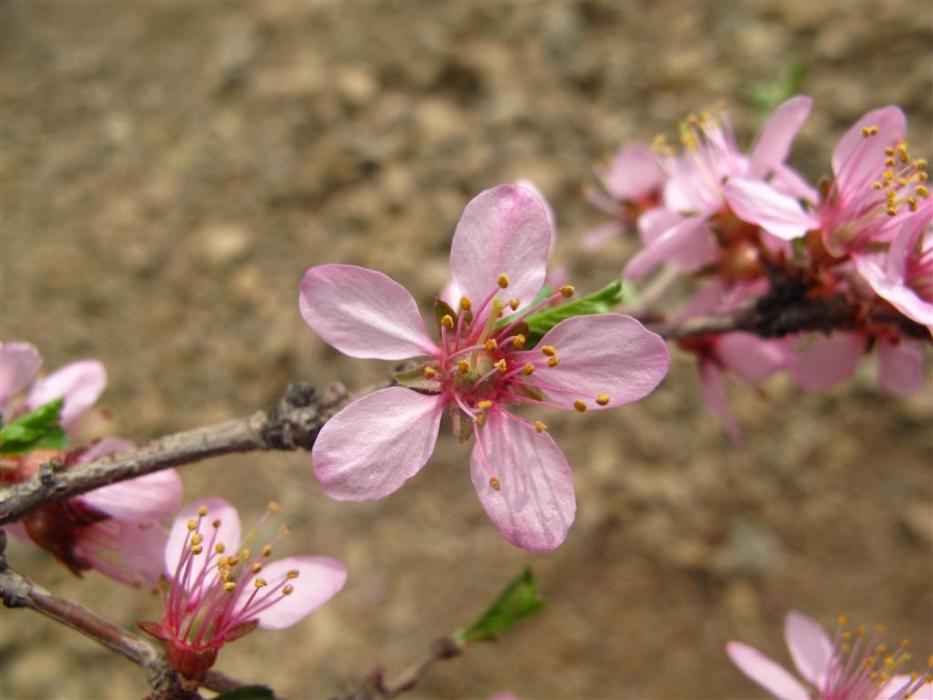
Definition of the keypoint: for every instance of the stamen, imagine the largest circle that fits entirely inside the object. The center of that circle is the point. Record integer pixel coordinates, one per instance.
(196, 549)
(602, 399)
(495, 483)
(514, 304)
(244, 554)
(429, 373)
(256, 567)
(447, 321)
(273, 507)
(484, 405)
(219, 548)
(463, 366)
(267, 550)
(549, 350)
(196, 539)
(229, 587)
(480, 420)
(528, 368)
(216, 523)
(540, 427)
(288, 590)
(292, 574)
(465, 303)
(567, 291)
(502, 280)
(579, 405)
(202, 511)
(192, 525)
(552, 361)
(260, 583)
(519, 341)
(501, 365)
(491, 344)
(869, 131)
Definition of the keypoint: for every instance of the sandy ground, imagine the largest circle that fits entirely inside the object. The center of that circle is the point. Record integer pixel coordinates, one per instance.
(169, 171)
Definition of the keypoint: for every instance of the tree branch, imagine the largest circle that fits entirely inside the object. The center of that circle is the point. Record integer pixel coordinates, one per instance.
(293, 424)
(18, 591)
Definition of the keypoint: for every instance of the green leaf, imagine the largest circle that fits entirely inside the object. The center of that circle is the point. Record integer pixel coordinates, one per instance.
(248, 692)
(519, 599)
(37, 429)
(600, 302)
(765, 95)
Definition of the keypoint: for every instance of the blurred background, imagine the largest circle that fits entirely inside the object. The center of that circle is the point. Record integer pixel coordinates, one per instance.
(170, 169)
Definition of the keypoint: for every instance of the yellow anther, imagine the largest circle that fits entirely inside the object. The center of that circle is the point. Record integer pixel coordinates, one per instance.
(219, 547)
(602, 399)
(267, 550)
(888, 175)
(877, 185)
(549, 350)
(518, 341)
(260, 582)
(889, 151)
(880, 649)
(292, 574)
(232, 561)
(192, 525)
(196, 539)
(912, 203)
(463, 366)
(495, 483)
(285, 529)
(480, 420)
(273, 507)
(905, 643)
(197, 549)
(540, 426)
(920, 163)
(202, 511)
(922, 192)
(552, 361)
(497, 305)
(288, 590)
(579, 405)
(502, 280)
(843, 619)
(430, 373)
(902, 153)
(229, 586)
(216, 523)
(500, 365)
(903, 181)
(465, 303)
(889, 661)
(891, 211)
(256, 567)
(491, 344)
(484, 405)
(244, 554)
(922, 176)
(528, 368)
(869, 131)
(889, 161)
(447, 321)
(567, 291)
(514, 304)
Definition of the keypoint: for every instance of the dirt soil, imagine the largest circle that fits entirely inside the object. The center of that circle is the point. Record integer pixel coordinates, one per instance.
(170, 169)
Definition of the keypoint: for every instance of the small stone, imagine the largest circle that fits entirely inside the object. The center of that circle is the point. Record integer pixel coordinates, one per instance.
(222, 245)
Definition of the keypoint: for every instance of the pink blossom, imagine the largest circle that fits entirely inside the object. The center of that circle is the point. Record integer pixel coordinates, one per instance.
(712, 186)
(498, 259)
(853, 664)
(219, 589)
(116, 530)
(745, 355)
(80, 384)
(876, 186)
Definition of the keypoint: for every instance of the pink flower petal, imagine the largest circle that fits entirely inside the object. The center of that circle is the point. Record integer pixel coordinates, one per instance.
(759, 203)
(363, 313)
(896, 689)
(655, 222)
(766, 673)
(80, 384)
(534, 505)
(104, 447)
(610, 354)
(633, 173)
(822, 362)
(552, 219)
(712, 387)
(319, 579)
(19, 364)
(788, 181)
(778, 134)
(900, 367)
(128, 552)
(376, 444)
(689, 244)
(809, 646)
(596, 238)
(752, 358)
(156, 495)
(502, 230)
(857, 159)
(228, 533)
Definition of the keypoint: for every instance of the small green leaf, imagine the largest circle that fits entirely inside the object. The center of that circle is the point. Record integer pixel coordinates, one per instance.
(248, 692)
(415, 379)
(765, 95)
(37, 429)
(519, 599)
(600, 302)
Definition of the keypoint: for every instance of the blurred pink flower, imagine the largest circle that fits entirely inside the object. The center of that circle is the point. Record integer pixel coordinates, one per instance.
(218, 591)
(711, 178)
(850, 666)
(877, 185)
(116, 530)
(80, 383)
(498, 260)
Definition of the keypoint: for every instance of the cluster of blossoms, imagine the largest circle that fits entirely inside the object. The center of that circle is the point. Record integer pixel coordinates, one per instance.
(852, 664)
(859, 246)
(483, 361)
(112, 529)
